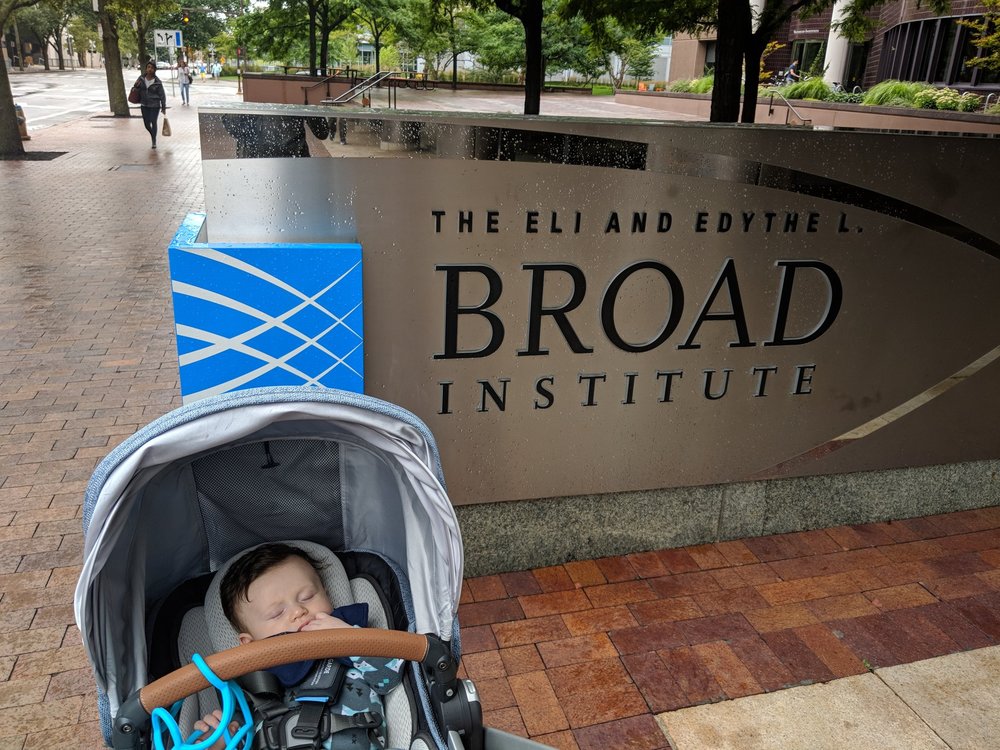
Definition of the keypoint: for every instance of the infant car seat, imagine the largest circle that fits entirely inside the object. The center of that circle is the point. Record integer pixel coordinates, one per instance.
(204, 629)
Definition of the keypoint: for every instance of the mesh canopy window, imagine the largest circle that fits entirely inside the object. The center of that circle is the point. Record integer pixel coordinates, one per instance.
(270, 490)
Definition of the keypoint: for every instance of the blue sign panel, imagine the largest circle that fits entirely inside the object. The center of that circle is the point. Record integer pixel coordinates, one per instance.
(267, 314)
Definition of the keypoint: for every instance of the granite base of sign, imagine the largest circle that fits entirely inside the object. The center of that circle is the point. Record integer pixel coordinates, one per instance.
(510, 536)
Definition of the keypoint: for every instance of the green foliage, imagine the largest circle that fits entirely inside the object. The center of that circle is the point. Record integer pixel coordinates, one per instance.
(924, 99)
(623, 48)
(993, 109)
(567, 44)
(500, 43)
(970, 102)
(701, 85)
(812, 88)
(845, 97)
(816, 68)
(986, 35)
(947, 99)
(764, 76)
(894, 93)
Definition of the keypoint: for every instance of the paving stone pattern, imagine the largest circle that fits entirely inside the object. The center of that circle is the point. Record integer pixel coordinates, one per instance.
(579, 655)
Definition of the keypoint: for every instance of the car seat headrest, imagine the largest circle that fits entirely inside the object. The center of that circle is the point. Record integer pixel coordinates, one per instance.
(331, 572)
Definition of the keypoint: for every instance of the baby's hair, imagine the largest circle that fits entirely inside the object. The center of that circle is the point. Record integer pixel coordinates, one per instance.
(251, 566)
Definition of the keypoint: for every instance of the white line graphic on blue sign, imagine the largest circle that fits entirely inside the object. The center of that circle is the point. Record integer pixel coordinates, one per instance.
(266, 315)
(221, 344)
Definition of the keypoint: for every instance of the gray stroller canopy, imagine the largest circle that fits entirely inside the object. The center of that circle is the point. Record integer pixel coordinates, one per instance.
(191, 489)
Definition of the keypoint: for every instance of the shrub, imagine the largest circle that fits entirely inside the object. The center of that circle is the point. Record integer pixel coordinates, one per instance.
(925, 99)
(846, 97)
(703, 85)
(682, 86)
(970, 102)
(993, 109)
(894, 93)
(813, 88)
(947, 99)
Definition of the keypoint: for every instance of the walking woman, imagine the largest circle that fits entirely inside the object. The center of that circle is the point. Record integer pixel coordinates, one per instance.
(184, 78)
(152, 98)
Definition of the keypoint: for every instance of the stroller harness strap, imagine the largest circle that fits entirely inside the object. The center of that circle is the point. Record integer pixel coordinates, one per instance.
(298, 719)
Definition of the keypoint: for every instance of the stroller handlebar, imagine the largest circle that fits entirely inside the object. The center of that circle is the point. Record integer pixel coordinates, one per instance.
(284, 649)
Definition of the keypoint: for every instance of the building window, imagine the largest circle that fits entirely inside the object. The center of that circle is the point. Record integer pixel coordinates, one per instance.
(806, 51)
(939, 50)
(710, 48)
(857, 61)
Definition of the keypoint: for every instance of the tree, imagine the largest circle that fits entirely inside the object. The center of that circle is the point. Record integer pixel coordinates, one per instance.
(987, 36)
(139, 14)
(379, 17)
(439, 31)
(278, 30)
(117, 98)
(530, 13)
(633, 49)
(499, 43)
(10, 135)
(83, 27)
(48, 21)
(568, 44)
(739, 47)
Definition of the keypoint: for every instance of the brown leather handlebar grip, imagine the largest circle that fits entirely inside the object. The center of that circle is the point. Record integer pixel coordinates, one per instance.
(283, 649)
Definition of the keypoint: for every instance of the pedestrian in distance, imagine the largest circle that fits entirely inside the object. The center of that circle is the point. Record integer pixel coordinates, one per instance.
(792, 74)
(152, 98)
(184, 78)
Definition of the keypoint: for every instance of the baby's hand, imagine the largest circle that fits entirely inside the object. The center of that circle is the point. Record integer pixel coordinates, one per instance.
(324, 621)
(208, 725)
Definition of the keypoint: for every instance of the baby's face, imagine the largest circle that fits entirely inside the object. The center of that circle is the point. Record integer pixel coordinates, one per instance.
(284, 599)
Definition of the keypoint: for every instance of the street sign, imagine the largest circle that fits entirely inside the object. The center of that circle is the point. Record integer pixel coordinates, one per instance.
(168, 38)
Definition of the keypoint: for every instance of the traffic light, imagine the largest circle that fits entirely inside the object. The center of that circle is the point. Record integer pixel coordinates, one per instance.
(185, 18)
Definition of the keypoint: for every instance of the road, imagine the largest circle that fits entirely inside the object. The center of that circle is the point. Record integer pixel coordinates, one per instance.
(58, 96)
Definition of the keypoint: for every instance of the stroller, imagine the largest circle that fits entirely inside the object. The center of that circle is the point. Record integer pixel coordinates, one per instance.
(345, 475)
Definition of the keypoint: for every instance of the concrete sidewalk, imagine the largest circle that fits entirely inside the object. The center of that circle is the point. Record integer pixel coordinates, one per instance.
(882, 635)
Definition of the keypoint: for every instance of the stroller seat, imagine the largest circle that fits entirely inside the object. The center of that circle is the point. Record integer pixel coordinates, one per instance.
(168, 507)
(205, 630)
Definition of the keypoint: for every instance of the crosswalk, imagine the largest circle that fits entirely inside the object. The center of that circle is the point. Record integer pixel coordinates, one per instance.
(51, 98)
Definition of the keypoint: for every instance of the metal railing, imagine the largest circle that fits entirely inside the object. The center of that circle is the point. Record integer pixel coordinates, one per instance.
(325, 82)
(788, 109)
(365, 86)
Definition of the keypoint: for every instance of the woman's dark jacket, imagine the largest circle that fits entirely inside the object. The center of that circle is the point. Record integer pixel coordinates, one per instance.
(152, 95)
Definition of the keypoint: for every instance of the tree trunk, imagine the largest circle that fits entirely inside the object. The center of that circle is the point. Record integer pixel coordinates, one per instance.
(140, 38)
(312, 39)
(733, 31)
(453, 37)
(10, 135)
(751, 84)
(533, 71)
(324, 40)
(117, 98)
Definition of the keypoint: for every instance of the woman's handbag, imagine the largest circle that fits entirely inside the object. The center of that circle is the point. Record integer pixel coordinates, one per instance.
(166, 127)
(133, 95)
